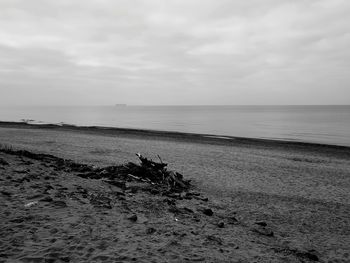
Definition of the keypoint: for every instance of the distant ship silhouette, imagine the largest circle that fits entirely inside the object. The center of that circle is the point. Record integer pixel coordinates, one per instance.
(120, 105)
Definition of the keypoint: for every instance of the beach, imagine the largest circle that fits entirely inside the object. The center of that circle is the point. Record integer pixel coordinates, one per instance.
(290, 201)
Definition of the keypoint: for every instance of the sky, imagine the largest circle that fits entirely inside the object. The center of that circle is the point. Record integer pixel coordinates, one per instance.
(174, 52)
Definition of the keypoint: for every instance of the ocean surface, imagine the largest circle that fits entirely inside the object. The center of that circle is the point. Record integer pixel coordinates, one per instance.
(317, 124)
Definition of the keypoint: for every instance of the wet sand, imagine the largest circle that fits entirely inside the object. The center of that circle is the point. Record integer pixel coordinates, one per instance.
(301, 191)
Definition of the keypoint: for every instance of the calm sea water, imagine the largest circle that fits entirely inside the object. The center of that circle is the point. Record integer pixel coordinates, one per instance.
(320, 124)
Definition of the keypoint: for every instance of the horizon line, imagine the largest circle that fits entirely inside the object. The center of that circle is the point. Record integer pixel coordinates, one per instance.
(168, 105)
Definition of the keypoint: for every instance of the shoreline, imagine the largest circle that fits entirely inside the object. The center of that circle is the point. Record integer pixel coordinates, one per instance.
(219, 165)
(181, 136)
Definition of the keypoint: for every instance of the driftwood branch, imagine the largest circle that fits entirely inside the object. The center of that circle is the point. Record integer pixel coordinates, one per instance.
(158, 174)
(149, 163)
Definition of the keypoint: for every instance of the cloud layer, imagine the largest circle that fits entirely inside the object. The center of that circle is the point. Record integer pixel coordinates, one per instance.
(100, 52)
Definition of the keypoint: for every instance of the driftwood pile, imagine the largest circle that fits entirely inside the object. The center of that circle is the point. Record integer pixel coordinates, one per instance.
(148, 171)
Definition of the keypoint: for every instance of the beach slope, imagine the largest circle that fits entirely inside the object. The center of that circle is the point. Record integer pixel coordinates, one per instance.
(257, 202)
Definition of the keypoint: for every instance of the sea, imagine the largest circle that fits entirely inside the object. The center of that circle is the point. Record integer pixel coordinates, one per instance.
(326, 124)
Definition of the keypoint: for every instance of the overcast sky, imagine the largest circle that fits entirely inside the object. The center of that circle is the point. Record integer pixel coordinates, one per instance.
(100, 52)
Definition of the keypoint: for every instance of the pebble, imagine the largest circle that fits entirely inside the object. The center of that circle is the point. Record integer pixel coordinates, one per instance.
(46, 199)
(221, 225)
(208, 212)
(263, 231)
(133, 218)
(232, 220)
(60, 203)
(261, 223)
(31, 204)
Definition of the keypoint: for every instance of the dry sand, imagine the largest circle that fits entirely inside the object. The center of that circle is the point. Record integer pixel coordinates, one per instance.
(301, 192)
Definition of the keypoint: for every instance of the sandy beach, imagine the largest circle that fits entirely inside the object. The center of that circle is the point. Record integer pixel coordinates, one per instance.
(272, 201)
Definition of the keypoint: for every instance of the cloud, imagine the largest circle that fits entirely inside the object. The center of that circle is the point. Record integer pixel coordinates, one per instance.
(175, 52)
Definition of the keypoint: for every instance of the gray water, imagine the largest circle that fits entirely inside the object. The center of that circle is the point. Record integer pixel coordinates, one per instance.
(318, 124)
